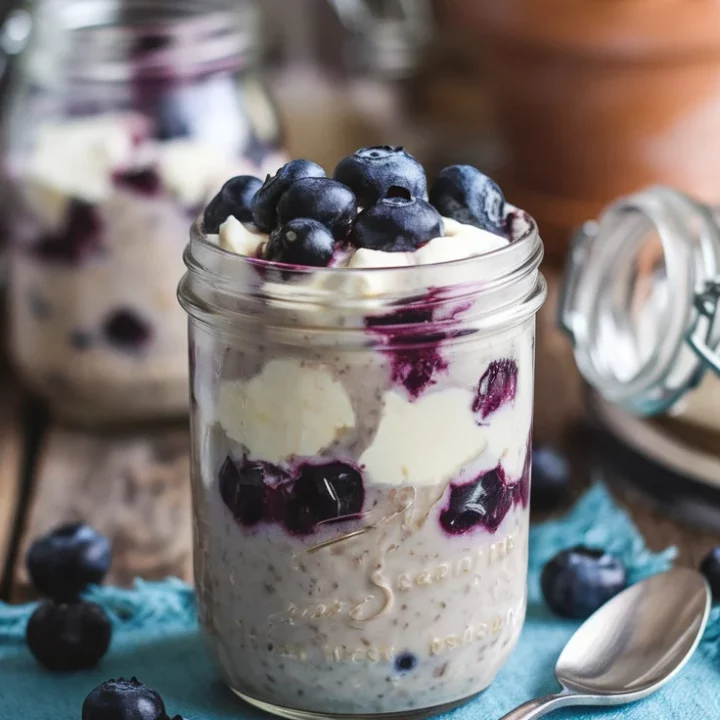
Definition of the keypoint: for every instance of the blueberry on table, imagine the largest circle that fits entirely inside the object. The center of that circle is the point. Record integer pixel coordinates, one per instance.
(550, 477)
(578, 581)
(68, 636)
(301, 242)
(374, 173)
(463, 193)
(123, 700)
(235, 198)
(397, 224)
(710, 568)
(68, 559)
(268, 196)
(329, 202)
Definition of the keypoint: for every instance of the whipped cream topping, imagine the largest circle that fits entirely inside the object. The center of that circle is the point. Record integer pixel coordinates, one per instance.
(289, 409)
(460, 241)
(79, 158)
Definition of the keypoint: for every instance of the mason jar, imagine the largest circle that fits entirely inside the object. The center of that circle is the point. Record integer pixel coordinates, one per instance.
(126, 117)
(361, 443)
(640, 304)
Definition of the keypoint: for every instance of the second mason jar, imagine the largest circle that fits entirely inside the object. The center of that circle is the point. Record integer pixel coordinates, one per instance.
(127, 116)
(361, 467)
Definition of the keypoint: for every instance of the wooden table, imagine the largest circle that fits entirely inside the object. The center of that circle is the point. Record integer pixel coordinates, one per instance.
(134, 486)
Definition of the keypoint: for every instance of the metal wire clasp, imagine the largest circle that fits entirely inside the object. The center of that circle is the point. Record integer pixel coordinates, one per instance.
(706, 303)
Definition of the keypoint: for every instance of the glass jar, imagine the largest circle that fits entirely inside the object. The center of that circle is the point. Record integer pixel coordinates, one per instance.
(640, 304)
(361, 468)
(127, 116)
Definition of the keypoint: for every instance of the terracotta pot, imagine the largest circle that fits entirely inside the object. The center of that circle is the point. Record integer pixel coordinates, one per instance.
(597, 98)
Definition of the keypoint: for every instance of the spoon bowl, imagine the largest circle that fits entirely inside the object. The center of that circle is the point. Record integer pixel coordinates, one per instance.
(631, 646)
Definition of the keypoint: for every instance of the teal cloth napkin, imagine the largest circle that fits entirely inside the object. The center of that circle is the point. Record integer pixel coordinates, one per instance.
(156, 639)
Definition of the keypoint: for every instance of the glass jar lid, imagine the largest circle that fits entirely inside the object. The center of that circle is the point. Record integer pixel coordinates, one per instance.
(640, 299)
(114, 40)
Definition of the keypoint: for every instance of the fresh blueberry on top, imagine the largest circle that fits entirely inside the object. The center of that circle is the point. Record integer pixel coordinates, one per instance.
(301, 242)
(463, 193)
(497, 386)
(235, 198)
(576, 582)
(123, 700)
(550, 477)
(68, 559)
(126, 330)
(710, 568)
(323, 493)
(374, 173)
(244, 488)
(268, 196)
(397, 224)
(483, 501)
(70, 636)
(329, 202)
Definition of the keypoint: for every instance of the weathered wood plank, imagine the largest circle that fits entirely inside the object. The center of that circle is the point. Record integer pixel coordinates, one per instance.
(133, 487)
(10, 465)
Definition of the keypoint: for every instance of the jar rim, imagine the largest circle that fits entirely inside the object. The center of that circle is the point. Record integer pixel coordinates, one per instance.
(502, 287)
(126, 40)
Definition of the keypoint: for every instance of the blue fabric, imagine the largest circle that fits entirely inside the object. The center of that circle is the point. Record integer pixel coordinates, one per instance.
(156, 639)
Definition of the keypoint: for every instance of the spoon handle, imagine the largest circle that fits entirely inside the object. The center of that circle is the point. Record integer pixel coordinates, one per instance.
(541, 706)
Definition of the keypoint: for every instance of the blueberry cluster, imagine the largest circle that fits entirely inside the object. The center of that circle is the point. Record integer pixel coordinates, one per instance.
(301, 500)
(377, 199)
(124, 700)
(65, 632)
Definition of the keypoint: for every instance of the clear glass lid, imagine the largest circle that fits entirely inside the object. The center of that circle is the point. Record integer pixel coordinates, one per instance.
(640, 299)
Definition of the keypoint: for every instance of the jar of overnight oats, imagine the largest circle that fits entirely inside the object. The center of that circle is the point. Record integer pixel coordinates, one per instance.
(127, 116)
(361, 437)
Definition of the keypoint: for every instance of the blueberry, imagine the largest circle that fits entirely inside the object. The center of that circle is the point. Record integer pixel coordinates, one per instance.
(301, 242)
(576, 582)
(235, 198)
(497, 386)
(397, 225)
(405, 661)
(68, 559)
(327, 201)
(268, 196)
(550, 477)
(79, 238)
(244, 488)
(123, 700)
(463, 193)
(126, 330)
(374, 173)
(70, 636)
(710, 568)
(323, 493)
(484, 501)
(144, 182)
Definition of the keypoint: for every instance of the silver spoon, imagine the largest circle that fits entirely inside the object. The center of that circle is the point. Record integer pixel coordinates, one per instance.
(631, 646)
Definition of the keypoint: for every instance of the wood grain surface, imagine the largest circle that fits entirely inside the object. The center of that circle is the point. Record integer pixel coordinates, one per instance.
(10, 465)
(132, 487)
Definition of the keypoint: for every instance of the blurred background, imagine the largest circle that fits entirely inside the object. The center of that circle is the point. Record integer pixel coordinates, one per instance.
(567, 104)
